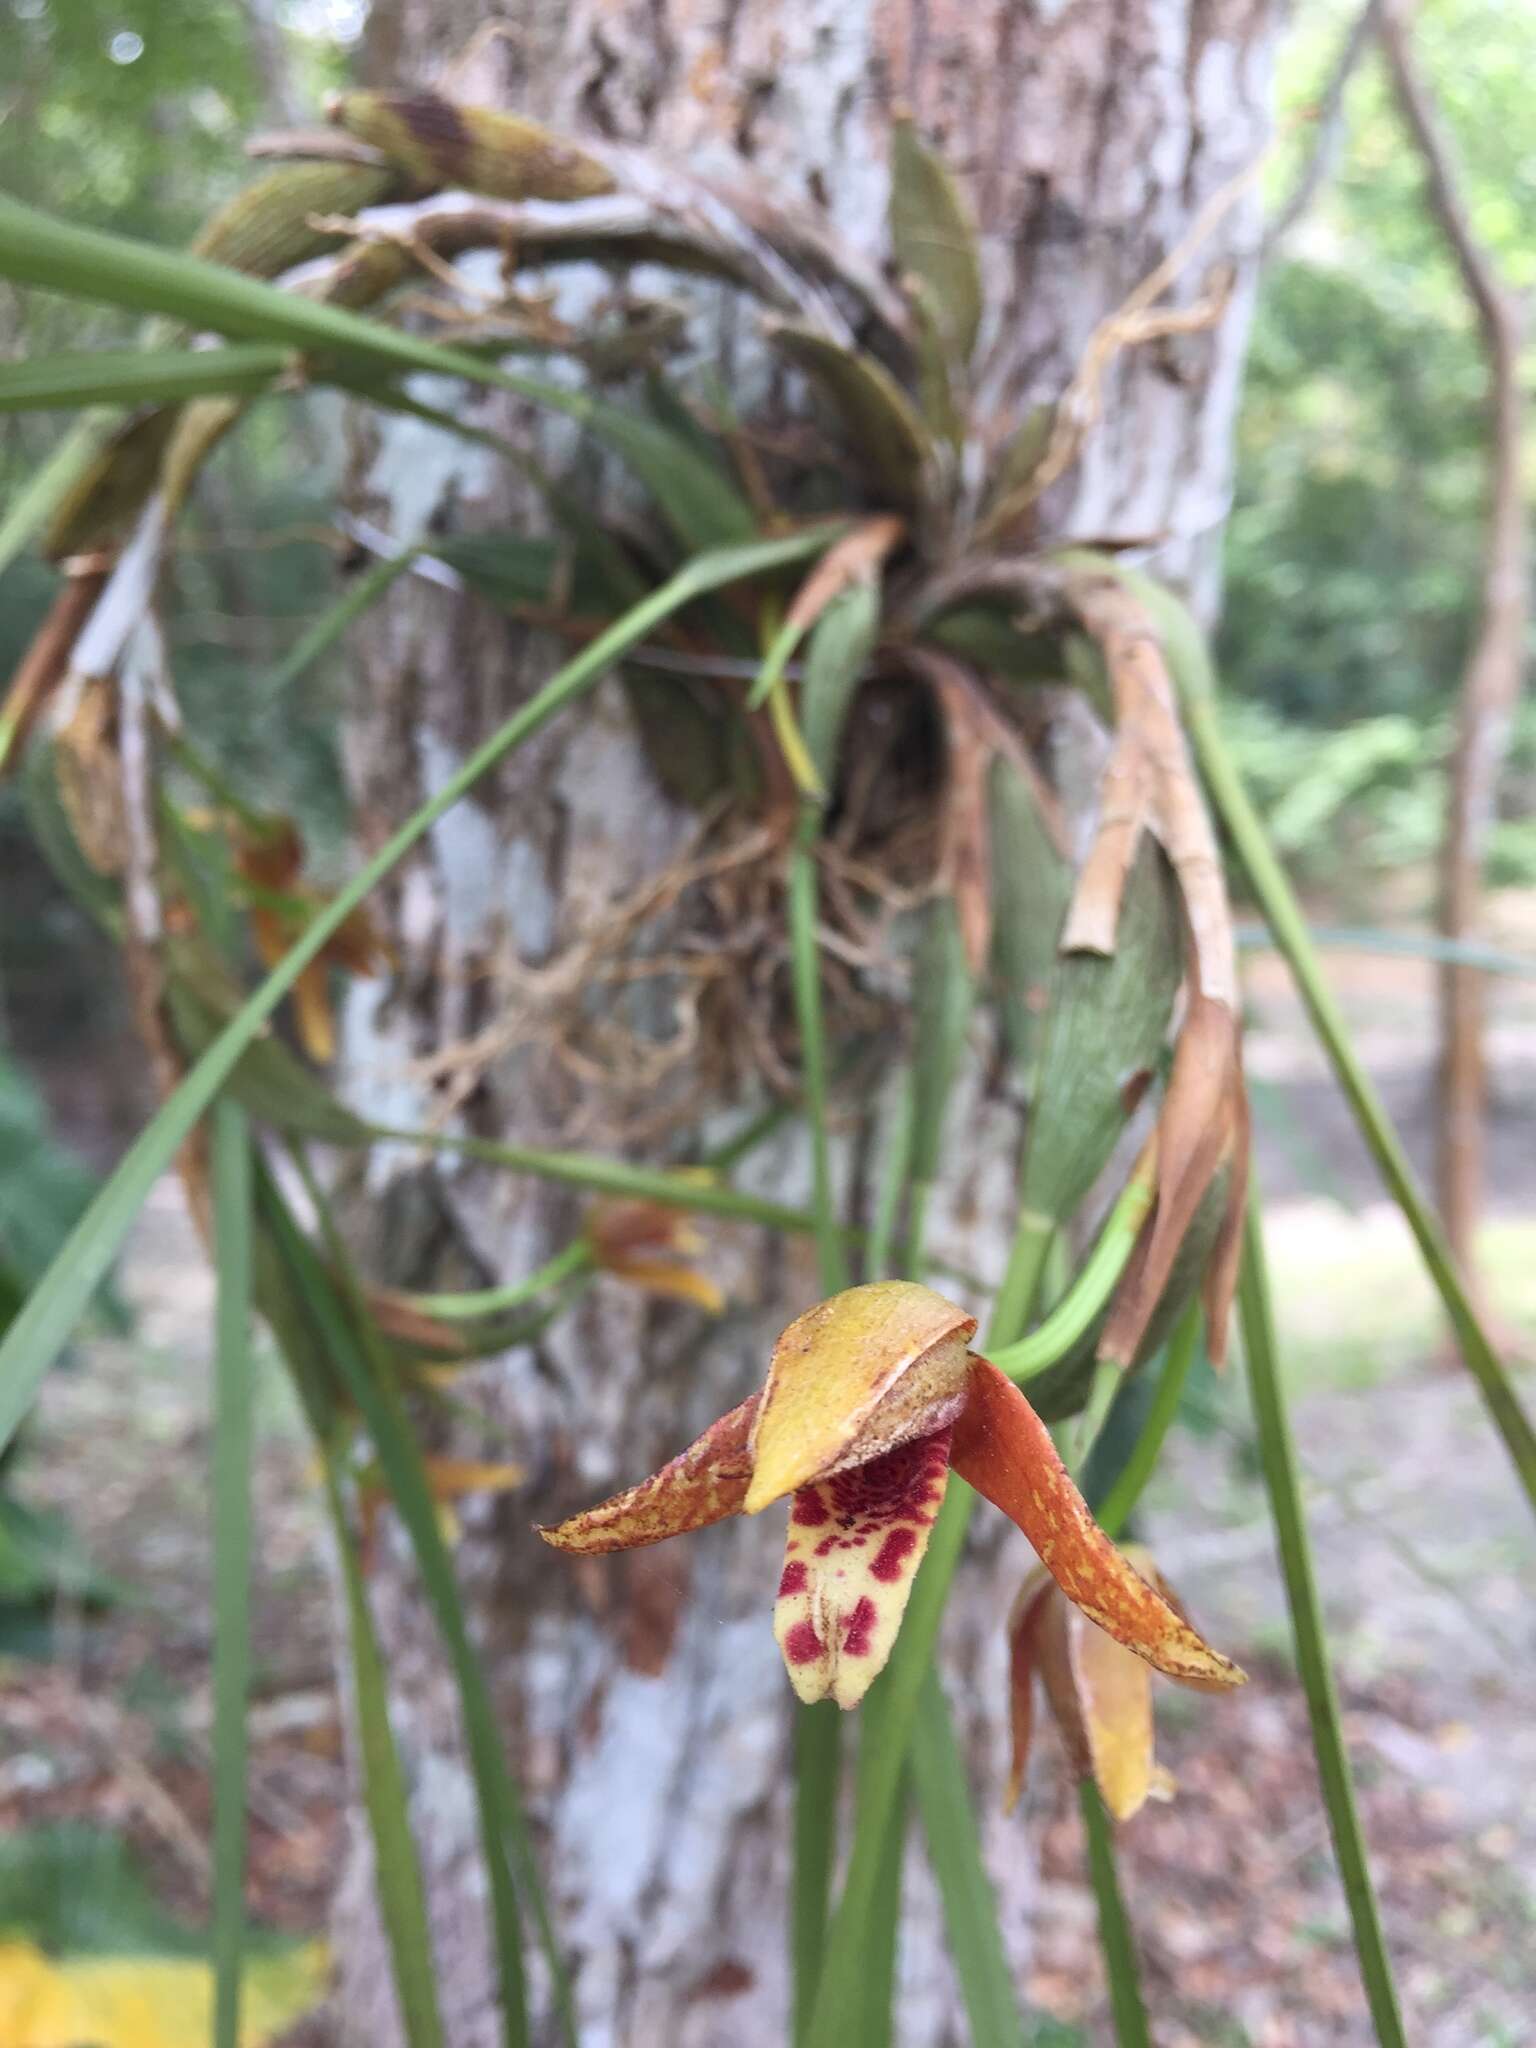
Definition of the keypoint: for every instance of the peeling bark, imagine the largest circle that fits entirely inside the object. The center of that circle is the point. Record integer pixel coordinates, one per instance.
(645, 1707)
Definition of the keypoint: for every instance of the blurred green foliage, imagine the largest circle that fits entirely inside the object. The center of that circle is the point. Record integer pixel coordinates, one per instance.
(1353, 550)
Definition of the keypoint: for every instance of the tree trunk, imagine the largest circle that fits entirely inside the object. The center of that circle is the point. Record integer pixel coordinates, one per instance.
(645, 1707)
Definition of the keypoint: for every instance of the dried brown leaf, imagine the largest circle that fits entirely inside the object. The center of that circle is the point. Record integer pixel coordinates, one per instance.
(1149, 782)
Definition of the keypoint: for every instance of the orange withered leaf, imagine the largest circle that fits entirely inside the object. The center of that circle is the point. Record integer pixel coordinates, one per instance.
(1003, 1449)
(46, 662)
(856, 558)
(654, 1249)
(1201, 1130)
(272, 861)
(701, 1485)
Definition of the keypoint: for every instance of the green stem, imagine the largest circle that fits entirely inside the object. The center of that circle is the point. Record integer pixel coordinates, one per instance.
(818, 1730)
(893, 1178)
(1282, 1477)
(674, 1188)
(1127, 1488)
(1022, 1275)
(805, 963)
(1283, 914)
(576, 1258)
(954, 1850)
(1115, 1936)
(1073, 1316)
(1107, 1382)
(231, 1195)
(818, 1769)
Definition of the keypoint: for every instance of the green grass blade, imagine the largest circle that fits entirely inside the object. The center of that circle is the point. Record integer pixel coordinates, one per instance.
(38, 1333)
(55, 255)
(1126, 1489)
(396, 1867)
(1115, 1936)
(1278, 903)
(139, 376)
(878, 2026)
(818, 1730)
(954, 1849)
(366, 590)
(805, 964)
(468, 1307)
(508, 1848)
(672, 1189)
(233, 1390)
(813, 1847)
(893, 1183)
(1282, 1477)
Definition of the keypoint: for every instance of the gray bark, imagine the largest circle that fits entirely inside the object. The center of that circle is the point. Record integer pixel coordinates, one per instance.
(644, 1705)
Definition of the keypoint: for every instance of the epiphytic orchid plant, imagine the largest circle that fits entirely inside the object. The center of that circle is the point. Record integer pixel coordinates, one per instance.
(872, 1399)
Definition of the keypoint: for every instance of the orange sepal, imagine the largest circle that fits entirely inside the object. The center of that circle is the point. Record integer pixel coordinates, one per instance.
(1003, 1449)
(701, 1485)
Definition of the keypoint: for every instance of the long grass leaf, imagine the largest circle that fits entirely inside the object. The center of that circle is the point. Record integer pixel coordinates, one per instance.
(233, 1392)
(1125, 1489)
(55, 255)
(396, 1868)
(954, 1849)
(1278, 902)
(318, 638)
(137, 376)
(365, 1373)
(883, 1946)
(818, 1730)
(38, 1333)
(1115, 1936)
(805, 965)
(813, 1849)
(1277, 1450)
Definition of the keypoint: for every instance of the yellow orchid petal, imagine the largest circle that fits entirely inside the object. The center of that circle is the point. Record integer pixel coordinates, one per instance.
(1113, 1688)
(703, 1484)
(871, 1368)
(855, 1543)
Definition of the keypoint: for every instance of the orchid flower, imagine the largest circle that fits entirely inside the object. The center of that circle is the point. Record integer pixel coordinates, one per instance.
(1099, 1694)
(872, 1399)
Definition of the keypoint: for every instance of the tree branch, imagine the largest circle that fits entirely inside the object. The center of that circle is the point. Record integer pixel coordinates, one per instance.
(1327, 134)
